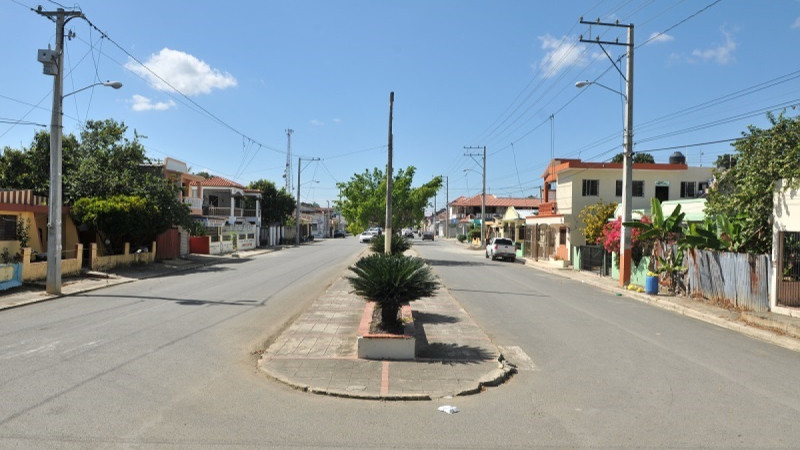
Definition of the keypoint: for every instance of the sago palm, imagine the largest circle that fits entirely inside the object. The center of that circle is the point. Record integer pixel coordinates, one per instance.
(391, 280)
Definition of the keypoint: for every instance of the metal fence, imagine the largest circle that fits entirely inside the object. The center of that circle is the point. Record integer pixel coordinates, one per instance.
(594, 258)
(739, 279)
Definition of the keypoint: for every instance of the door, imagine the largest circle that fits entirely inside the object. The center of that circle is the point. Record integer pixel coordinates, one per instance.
(662, 193)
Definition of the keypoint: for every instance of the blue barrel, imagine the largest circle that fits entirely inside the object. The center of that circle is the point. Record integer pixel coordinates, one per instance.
(651, 285)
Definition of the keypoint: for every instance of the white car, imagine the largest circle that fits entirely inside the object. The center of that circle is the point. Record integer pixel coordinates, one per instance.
(366, 236)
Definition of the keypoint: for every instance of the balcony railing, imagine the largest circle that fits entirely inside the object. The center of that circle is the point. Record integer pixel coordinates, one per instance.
(193, 202)
(226, 211)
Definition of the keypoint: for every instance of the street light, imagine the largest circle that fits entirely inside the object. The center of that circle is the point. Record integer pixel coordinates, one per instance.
(111, 84)
(627, 175)
(54, 246)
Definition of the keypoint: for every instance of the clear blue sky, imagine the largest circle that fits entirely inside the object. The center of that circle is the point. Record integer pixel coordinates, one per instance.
(464, 73)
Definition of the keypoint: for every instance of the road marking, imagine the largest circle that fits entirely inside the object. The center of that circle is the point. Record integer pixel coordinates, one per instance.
(516, 356)
(385, 378)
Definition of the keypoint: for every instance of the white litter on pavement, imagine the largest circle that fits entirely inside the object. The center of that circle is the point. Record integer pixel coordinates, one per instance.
(448, 409)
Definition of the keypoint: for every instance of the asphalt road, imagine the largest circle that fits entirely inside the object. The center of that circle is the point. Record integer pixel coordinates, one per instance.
(171, 362)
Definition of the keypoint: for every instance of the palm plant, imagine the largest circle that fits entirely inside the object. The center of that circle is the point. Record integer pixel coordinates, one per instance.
(399, 244)
(391, 280)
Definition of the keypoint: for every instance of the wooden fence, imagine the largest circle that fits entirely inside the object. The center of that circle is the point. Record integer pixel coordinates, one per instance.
(739, 279)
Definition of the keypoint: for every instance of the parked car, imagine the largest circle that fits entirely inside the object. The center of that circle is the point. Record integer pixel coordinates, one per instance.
(501, 248)
(427, 235)
(366, 236)
(409, 234)
(338, 234)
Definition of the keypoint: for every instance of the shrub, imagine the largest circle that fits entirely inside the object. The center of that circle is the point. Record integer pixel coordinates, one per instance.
(391, 280)
(399, 244)
(461, 237)
(475, 233)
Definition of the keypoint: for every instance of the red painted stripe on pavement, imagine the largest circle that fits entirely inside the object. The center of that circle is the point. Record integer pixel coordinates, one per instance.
(385, 378)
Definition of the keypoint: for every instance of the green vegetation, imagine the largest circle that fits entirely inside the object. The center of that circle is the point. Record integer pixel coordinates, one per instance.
(276, 205)
(391, 280)
(763, 156)
(594, 218)
(363, 201)
(399, 244)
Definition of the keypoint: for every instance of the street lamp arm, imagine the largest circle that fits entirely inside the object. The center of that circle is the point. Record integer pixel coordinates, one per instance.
(111, 84)
(582, 84)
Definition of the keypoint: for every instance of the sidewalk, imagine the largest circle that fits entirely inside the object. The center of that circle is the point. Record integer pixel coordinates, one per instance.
(35, 292)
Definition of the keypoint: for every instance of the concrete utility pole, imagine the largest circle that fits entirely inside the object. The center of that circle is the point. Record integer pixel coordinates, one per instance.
(627, 164)
(297, 212)
(53, 65)
(387, 241)
(483, 192)
(447, 206)
(288, 172)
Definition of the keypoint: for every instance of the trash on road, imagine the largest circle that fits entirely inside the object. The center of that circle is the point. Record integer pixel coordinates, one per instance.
(448, 409)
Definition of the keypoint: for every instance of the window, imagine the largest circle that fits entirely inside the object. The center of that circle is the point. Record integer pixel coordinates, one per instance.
(702, 187)
(637, 189)
(8, 227)
(591, 188)
(687, 189)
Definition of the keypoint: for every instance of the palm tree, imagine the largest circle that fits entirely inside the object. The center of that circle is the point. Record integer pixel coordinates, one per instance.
(391, 280)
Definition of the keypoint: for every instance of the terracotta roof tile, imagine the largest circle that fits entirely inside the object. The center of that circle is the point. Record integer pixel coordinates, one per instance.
(221, 182)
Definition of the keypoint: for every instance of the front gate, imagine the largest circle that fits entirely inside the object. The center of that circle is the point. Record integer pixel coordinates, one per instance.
(789, 269)
(595, 258)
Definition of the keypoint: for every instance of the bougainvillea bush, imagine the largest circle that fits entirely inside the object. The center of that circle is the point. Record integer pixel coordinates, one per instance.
(612, 232)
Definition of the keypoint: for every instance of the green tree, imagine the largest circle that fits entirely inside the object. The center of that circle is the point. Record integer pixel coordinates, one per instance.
(119, 219)
(637, 158)
(594, 218)
(29, 168)
(725, 161)
(363, 201)
(763, 156)
(276, 205)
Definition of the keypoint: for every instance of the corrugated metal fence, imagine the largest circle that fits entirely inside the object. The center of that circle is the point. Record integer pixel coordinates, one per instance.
(740, 279)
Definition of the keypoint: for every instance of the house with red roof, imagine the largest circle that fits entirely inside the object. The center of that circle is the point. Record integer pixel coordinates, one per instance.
(466, 211)
(570, 185)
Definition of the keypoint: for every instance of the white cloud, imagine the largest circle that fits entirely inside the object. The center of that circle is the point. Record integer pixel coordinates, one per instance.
(337, 121)
(561, 54)
(317, 123)
(141, 103)
(722, 54)
(183, 71)
(660, 38)
(796, 23)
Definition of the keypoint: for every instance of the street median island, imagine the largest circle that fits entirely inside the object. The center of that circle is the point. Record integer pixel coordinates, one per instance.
(319, 352)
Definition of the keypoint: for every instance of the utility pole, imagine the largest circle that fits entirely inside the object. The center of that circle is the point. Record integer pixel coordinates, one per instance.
(387, 241)
(447, 206)
(53, 65)
(288, 172)
(627, 164)
(483, 191)
(297, 212)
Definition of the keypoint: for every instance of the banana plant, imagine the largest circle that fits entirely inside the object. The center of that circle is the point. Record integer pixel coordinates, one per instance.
(663, 231)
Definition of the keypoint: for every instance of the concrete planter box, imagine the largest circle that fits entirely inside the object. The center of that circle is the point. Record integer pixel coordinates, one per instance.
(386, 346)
